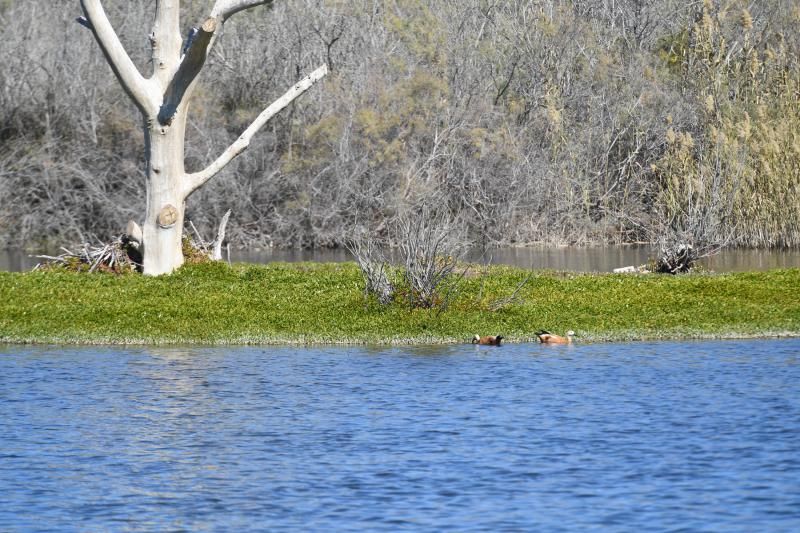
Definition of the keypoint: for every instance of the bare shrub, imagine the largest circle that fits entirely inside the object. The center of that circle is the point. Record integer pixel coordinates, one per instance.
(701, 230)
(374, 267)
(696, 203)
(430, 244)
(677, 255)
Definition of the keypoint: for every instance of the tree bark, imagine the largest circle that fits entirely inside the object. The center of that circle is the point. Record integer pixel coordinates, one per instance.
(183, 80)
(163, 224)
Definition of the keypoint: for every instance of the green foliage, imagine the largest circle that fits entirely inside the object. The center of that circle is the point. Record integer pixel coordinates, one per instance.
(404, 117)
(193, 254)
(672, 50)
(323, 303)
(419, 30)
(318, 146)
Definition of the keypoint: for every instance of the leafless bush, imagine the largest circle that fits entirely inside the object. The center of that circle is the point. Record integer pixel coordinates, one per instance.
(682, 246)
(675, 258)
(696, 222)
(431, 242)
(374, 267)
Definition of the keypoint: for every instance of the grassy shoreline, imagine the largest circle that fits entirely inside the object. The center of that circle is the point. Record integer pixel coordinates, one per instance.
(315, 303)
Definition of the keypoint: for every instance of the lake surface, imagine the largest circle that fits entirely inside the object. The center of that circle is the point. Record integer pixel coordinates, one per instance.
(576, 259)
(692, 436)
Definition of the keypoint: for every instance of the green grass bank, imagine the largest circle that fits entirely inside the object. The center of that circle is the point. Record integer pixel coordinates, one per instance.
(324, 303)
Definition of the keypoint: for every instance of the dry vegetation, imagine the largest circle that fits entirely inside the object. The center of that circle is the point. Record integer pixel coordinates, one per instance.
(528, 121)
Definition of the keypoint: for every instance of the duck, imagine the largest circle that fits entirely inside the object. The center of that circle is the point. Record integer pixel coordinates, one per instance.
(490, 340)
(548, 338)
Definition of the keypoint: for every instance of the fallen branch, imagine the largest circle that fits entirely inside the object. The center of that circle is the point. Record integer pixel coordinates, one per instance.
(512, 298)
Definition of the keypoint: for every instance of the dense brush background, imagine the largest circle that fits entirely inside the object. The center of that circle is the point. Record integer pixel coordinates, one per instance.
(518, 121)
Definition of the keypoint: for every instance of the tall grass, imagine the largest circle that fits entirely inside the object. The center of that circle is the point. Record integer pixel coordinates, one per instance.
(735, 177)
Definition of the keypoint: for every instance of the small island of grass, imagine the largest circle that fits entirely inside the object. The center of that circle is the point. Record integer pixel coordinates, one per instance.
(311, 303)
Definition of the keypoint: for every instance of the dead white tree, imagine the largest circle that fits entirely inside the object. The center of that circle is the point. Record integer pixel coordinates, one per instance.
(163, 100)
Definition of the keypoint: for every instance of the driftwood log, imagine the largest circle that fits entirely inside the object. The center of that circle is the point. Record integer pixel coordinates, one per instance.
(641, 269)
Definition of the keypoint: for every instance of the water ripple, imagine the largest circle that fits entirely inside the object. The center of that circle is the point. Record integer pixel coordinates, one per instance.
(698, 436)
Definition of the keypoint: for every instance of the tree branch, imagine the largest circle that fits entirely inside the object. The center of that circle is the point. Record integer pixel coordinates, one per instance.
(134, 84)
(190, 67)
(198, 45)
(216, 255)
(223, 9)
(240, 145)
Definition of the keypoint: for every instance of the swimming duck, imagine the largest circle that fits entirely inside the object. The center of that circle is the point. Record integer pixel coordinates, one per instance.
(548, 338)
(490, 340)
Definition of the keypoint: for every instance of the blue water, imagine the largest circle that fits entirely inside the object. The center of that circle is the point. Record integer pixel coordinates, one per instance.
(699, 436)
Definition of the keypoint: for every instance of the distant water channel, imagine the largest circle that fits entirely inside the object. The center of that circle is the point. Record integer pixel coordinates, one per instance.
(576, 259)
(692, 436)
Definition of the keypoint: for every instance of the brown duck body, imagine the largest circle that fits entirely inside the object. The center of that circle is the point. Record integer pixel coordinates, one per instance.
(489, 340)
(548, 338)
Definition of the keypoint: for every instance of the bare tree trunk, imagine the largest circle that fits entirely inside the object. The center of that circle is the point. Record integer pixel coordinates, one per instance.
(164, 141)
(163, 223)
(163, 100)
